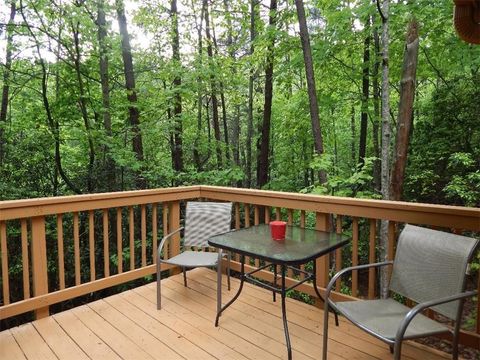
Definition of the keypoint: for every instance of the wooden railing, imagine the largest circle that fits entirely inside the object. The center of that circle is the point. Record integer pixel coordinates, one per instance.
(51, 229)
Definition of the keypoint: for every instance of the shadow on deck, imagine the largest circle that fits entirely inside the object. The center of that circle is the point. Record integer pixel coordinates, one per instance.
(128, 326)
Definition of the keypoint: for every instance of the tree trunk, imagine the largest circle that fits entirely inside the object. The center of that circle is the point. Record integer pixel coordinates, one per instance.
(6, 81)
(134, 114)
(386, 133)
(251, 80)
(263, 159)
(110, 177)
(362, 146)
(312, 92)
(83, 106)
(405, 110)
(177, 98)
(52, 123)
(196, 145)
(216, 124)
(353, 145)
(376, 113)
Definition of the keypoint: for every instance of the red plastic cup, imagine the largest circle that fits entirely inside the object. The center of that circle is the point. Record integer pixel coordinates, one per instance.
(277, 229)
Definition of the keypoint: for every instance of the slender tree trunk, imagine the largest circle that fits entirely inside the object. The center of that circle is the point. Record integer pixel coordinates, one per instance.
(353, 145)
(405, 110)
(196, 152)
(312, 90)
(82, 104)
(263, 163)
(110, 177)
(177, 83)
(6, 81)
(251, 80)
(216, 124)
(134, 113)
(362, 147)
(386, 134)
(376, 113)
(52, 123)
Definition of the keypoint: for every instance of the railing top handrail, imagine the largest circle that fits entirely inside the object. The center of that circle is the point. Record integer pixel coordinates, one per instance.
(404, 205)
(463, 217)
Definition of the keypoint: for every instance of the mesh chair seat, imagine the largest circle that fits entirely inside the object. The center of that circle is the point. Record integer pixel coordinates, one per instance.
(383, 317)
(194, 259)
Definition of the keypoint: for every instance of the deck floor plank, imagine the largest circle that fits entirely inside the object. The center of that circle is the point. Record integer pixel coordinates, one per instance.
(146, 341)
(58, 340)
(9, 348)
(128, 326)
(173, 339)
(121, 343)
(86, 339)
(311, 318)
(33, 345)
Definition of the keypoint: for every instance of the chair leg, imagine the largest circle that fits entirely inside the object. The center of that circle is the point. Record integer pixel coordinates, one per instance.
(397, 350)
(455, 340)
(184, 276)
(325, 330)
(159, 290)
(391, 348)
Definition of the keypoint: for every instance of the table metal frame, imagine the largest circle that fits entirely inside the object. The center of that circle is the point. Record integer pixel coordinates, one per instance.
(282, 289)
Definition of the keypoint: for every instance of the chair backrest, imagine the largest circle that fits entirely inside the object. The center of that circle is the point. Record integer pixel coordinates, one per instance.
(206, 219)
(431, 264)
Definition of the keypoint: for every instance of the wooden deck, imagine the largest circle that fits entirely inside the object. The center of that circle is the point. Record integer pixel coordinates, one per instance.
(128, 326)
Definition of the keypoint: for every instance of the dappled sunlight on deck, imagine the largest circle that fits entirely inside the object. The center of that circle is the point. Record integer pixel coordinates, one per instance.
(128, 326)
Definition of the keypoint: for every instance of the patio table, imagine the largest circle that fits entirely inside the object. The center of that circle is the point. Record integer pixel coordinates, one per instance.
(299, 247)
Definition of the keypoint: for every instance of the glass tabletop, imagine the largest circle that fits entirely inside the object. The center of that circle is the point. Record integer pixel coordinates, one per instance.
(299, 246)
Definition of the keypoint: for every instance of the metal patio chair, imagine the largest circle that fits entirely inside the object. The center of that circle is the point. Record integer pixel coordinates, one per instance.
(202, 221)
(430, 268)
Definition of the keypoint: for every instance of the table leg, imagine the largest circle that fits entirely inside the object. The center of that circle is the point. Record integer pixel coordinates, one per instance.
(284, 314)
(221, 309)
(219, 280)
(314, 280)
(274, 282)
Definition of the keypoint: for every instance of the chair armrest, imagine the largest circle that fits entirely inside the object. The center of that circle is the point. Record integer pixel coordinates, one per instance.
(162, 243)
(349, 269)
(402, 328)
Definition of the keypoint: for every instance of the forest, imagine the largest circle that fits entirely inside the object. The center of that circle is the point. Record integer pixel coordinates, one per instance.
(312, 96)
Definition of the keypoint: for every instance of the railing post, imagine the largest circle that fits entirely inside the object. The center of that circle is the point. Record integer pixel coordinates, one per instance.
(322, 223)
(174, 224)
(39, 263)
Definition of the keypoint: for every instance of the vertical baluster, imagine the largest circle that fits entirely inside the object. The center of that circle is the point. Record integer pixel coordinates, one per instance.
(61, 255)
(355, 257)
(290, 223)
(267, 215)
(4, 250)
(143, 219)
(76, 248)
(322, 223)
(106, 243)
(154, 232)
(247, 225)
(236, 257)
(166, 229)
(25, 266)
(391, 244)
(131, 235)
(338, 254)
(39, 263)
(174, 224)
(237, 216)
(302, 225)
(119, 241)
(256, 221)
(91, 244)
(371, 259)
(278, 214)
